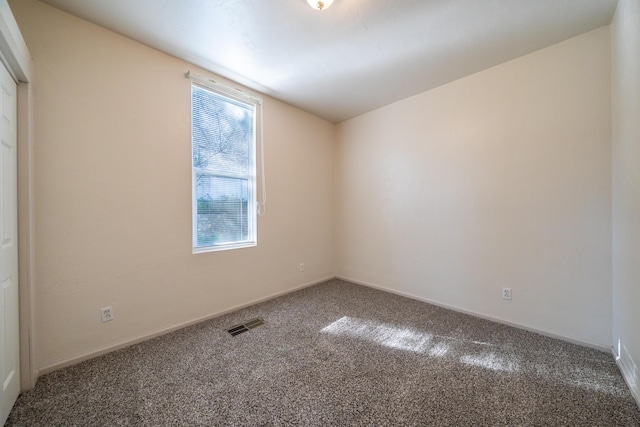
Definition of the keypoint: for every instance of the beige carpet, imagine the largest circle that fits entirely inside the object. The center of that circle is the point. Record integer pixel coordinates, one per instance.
(338, 354)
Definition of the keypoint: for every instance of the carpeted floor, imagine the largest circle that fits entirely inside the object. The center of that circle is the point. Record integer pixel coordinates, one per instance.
(338, 354)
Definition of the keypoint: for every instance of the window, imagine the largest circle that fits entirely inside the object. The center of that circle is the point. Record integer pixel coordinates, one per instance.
(224, 170)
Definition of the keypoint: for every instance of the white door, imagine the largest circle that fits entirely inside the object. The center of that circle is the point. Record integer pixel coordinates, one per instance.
(9, 341)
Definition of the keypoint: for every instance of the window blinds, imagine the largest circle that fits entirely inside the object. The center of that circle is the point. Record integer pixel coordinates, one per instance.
(223, 157)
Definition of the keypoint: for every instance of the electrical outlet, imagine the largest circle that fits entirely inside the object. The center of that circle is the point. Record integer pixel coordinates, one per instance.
(302, 267)
(506, 293)
(106, 313)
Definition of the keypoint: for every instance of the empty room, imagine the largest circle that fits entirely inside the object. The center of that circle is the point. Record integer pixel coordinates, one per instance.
(320, 213)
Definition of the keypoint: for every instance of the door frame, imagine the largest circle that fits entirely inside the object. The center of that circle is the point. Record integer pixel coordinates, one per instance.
(16, 58)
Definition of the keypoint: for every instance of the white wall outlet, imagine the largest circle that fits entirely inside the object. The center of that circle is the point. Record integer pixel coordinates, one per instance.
(506, 293)
(301, 267)
(106, 313)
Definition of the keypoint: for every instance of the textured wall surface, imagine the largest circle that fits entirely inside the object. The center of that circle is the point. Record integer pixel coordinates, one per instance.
(113, 194)
(499, 179)
(625, 47)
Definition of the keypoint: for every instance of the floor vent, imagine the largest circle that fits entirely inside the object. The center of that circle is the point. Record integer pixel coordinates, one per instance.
(238, 329)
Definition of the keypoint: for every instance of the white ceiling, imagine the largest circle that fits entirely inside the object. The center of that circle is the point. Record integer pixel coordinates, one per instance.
(354, 57)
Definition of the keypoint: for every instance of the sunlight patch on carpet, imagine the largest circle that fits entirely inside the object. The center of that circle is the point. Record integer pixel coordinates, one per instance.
(491, 361)
(387, 335)
(587, 379)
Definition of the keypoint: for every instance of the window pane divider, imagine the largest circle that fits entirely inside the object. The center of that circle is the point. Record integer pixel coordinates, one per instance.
(221, 174)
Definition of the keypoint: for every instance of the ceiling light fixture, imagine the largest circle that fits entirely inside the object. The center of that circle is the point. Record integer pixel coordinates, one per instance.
(319, 4)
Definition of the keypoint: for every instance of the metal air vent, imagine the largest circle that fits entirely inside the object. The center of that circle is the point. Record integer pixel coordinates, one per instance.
(238, 329)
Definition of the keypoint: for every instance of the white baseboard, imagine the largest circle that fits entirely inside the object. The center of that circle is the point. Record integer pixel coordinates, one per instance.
(126, 343)
(147, 336)
(550, 334)
(628, 369)
(624, 361)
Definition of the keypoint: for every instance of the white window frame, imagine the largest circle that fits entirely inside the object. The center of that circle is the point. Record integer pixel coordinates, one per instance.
(252, 233)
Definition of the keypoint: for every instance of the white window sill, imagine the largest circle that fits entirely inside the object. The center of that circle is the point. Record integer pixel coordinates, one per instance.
(204, 249)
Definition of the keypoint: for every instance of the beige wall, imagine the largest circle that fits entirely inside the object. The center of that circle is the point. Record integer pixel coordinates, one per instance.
(113, 194)
(625, 43)
(500, 179)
